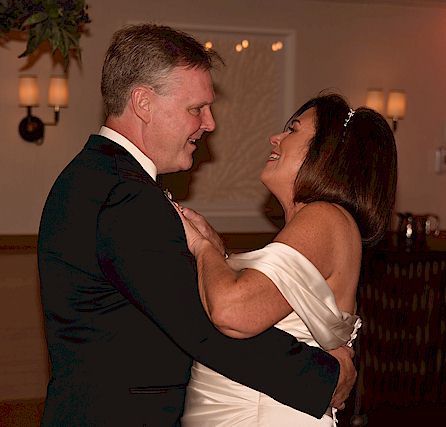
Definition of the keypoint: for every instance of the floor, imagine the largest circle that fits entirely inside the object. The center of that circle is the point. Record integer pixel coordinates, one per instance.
(23, 413)
(27, 413)
(426, 415)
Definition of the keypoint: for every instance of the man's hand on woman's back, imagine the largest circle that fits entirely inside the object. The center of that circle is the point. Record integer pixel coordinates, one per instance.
(347, 376)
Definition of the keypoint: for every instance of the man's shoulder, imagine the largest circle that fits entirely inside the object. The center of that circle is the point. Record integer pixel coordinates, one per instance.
(102, 156)
(102, 150)
(103, 145)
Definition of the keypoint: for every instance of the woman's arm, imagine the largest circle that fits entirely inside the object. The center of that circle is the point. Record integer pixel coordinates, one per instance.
(240, 305)
(247, 303)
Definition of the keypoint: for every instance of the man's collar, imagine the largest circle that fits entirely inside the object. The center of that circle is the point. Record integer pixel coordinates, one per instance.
(139, 156)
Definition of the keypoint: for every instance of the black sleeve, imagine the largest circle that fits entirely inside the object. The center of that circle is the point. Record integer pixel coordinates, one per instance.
(140, 235)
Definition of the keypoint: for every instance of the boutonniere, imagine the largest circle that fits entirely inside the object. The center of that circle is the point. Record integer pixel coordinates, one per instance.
(168, 194)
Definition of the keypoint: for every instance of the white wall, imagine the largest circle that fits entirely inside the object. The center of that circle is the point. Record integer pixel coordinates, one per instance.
(345, 46)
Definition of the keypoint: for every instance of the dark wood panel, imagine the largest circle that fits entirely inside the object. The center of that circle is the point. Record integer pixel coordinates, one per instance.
(238, 242)
(10, 244)
(235, 242)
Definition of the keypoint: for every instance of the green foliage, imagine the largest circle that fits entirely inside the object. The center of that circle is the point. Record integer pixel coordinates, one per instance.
(61, 22)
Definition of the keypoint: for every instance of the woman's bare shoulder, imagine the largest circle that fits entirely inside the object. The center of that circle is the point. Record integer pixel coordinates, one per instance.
(322, 232)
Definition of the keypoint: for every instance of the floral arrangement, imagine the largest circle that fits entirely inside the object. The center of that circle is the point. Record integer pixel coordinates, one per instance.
(60, 22)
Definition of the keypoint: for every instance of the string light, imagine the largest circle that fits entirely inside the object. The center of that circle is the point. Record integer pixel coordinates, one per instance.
(244, 44)
(277, 46)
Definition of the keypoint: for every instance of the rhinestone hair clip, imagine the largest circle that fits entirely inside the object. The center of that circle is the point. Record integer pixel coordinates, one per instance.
(349, 116)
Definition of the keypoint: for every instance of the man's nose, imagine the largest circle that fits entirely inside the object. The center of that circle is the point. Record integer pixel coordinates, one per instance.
(208, 123)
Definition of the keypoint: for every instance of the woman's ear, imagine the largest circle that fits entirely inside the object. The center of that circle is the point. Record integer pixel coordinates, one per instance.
(141, 102)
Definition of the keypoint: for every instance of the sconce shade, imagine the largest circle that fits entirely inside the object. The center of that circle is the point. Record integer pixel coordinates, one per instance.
(396, 105)
(58, 92)
(375, 100)
(28, 91)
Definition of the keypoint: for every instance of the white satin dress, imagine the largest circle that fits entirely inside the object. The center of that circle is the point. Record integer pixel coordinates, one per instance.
(213, 400)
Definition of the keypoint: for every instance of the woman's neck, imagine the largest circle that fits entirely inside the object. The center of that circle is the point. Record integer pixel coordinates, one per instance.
(291, 210)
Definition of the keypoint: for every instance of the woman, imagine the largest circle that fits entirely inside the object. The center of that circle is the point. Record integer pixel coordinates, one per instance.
(333, 170)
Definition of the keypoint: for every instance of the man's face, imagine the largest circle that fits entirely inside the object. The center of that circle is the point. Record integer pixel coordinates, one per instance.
(179, 118)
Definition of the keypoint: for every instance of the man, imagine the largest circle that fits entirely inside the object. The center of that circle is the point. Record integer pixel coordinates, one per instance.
(122, 311)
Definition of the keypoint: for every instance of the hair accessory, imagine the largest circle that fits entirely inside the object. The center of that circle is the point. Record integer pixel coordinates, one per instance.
(349, 116)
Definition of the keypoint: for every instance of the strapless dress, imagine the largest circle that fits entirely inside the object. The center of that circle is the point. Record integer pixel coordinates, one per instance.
(213, 400)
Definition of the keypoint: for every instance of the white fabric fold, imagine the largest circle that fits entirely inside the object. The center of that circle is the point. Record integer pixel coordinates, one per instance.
(305, 289)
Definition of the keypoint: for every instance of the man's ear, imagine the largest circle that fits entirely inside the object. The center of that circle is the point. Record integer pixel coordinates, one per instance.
(141, 97)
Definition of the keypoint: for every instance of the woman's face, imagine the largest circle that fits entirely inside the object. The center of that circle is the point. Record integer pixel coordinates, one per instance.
(289, 150)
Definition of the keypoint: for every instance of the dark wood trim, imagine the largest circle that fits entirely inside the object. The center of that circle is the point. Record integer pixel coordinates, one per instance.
(233, 242)
(236, 242)
(20, 244)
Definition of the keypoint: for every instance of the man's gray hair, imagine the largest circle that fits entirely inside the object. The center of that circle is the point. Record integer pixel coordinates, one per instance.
(146, 54)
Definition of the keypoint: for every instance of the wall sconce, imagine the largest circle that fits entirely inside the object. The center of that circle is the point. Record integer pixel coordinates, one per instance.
(31, 128)
(440, 160)
(375, 100)
(396, 104)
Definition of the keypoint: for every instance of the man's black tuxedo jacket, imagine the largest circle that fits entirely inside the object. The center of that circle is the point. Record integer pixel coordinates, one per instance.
(122, 311)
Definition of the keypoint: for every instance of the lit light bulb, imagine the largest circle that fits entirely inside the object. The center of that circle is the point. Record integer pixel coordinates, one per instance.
(208, 45)
(245, 44)
(238, 47)
(279, 45)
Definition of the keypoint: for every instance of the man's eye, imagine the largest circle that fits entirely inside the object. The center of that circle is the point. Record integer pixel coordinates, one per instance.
(195, 111)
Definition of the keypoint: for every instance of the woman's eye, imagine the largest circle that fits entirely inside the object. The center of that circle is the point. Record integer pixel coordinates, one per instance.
(290, 129)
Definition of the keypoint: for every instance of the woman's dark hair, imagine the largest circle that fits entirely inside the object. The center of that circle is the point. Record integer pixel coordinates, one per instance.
(354, 165)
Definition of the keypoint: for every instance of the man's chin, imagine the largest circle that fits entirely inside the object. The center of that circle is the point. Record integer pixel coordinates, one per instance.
(181, 167)
(186, 165)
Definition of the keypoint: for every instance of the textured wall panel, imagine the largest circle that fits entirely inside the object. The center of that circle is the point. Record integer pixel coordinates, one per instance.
(250, 106)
